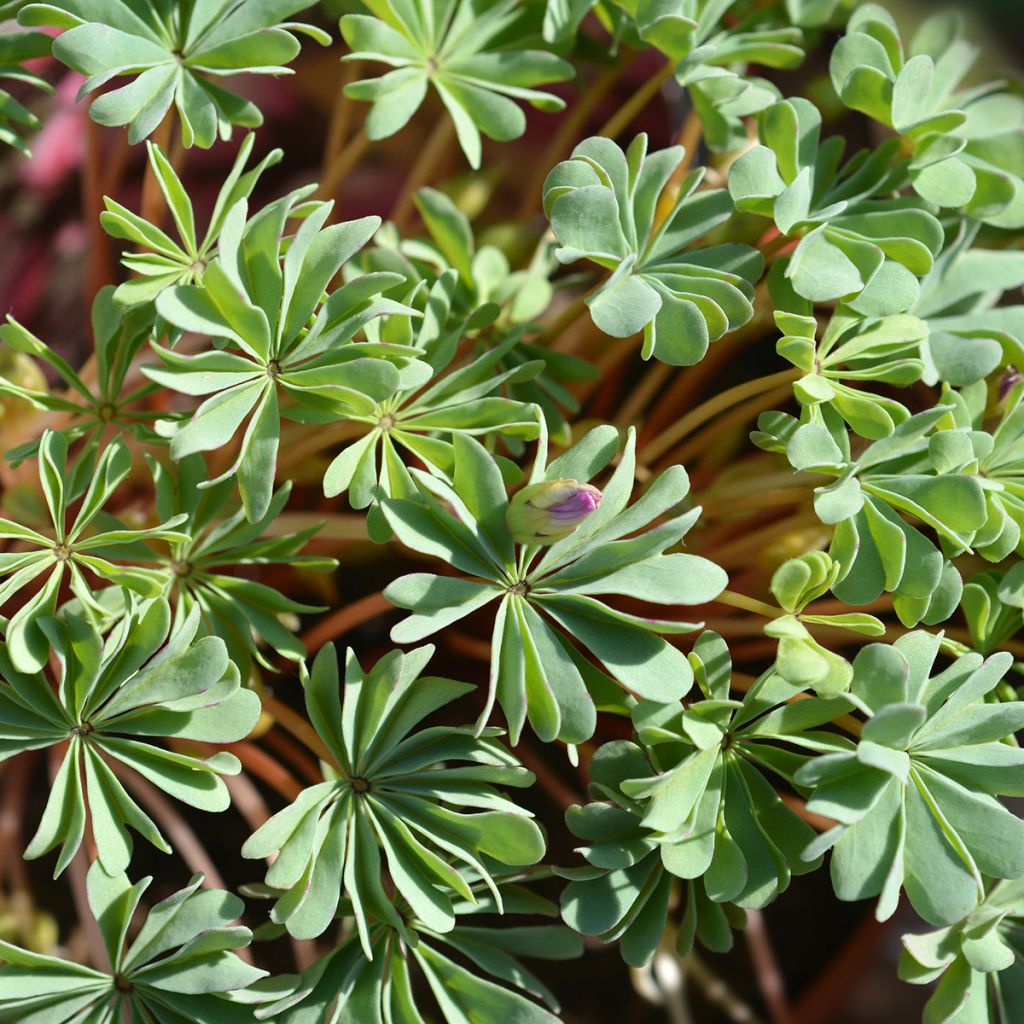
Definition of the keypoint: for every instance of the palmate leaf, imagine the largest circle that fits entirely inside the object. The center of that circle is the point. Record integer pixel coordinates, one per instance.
(602, 205)
(289, 351)
(164, 262)
(74, 549)
(499, 301)
(879, 551)
(856, 242)
(965, 143)
(176, 53)
(626, 896)
(854, 351)
(713, 60)
(472, 972)
(916, 801)
(995, 459)
(689, 800)
(475, 54)
(978, 963)
(420, 423)
(545, 595)
(711, 41)
(15, 117)
(707, 805)
(421, 802)
(972, 327)
(113, 698)
(91, 409)
(202, 571)
(180, 968)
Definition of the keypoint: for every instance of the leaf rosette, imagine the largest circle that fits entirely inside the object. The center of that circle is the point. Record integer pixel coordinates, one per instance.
(603, 203)
(290, 353)
(176, 53)
(422, 802)
(977, 962)
(92, 409)
(475, 54)
(463, 396)
(473, 972)
(855, 242)
(853, 351)
(180, 968)
(114, 697)
(73, 550)
(162, 261)
(916, 801)
(964, 142)
(202, 571)
(547, 595)
(894, 477)
(690, 800)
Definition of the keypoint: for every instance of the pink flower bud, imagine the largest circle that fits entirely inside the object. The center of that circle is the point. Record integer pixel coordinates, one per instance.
(1010, 378)
(545, 512)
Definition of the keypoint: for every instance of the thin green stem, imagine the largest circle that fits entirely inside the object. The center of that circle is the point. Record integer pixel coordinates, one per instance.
(711, 408)
(748, 604)
(342, 163)
(623, 117)
(430, 159)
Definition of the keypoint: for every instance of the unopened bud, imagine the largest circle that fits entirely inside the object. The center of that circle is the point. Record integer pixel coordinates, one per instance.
(546, 512)
(1011, 378)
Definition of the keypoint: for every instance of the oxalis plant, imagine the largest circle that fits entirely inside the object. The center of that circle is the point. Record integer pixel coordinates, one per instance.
(512, 482)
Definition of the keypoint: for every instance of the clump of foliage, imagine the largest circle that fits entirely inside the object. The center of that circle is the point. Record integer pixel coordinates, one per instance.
(747, 356)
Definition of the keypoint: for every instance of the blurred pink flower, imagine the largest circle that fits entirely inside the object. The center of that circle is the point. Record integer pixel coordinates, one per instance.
(59, 148)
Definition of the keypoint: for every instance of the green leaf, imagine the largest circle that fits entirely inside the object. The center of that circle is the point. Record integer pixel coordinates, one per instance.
(172, 63)
(128, 690)
(912, 811)
(601, 204)
(471, 57)
(424, 799)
